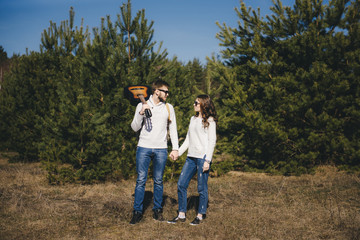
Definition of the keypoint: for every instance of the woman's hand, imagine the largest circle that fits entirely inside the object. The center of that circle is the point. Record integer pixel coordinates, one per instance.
(206, 166)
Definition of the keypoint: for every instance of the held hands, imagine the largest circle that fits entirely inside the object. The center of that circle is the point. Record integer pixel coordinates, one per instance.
(174, 155)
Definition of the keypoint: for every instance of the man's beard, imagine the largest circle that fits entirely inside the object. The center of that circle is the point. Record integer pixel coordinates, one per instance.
(161, 99)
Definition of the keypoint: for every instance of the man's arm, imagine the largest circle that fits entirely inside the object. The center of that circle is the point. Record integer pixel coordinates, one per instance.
(173, 130)
(174, 155)
(138, 118)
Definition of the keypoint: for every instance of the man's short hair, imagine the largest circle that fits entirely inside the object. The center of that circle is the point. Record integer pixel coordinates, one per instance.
(158, 84)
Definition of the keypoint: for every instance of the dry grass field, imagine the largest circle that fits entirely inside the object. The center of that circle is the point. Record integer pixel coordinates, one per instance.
(241, 206)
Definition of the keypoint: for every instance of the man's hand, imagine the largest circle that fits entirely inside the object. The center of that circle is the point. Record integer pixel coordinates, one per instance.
(144, 106)
(174, 155)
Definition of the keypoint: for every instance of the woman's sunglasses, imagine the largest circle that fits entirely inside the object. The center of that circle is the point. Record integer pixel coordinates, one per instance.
(196, 103)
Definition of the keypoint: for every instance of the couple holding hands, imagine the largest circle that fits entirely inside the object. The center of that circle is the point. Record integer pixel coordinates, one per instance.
(199, 144)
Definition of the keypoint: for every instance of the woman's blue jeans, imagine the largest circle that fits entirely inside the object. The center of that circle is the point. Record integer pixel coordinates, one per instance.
(143, 158)
(192, 166)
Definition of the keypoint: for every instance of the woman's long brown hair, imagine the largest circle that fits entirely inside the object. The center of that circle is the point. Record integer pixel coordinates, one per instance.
(207, 109)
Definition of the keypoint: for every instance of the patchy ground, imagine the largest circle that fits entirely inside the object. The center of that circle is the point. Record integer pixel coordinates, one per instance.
(241, 206)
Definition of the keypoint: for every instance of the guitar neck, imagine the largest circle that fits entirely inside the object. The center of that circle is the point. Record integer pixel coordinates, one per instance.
(142, 98)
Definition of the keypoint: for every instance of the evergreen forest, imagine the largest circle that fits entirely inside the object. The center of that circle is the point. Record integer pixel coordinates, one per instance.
(286, 87)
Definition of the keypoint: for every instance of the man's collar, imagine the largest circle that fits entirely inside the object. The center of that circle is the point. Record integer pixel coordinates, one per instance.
(152, 101)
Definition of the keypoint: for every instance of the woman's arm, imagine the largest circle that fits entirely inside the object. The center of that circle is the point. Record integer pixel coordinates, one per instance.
(185, 144)
(211, 141)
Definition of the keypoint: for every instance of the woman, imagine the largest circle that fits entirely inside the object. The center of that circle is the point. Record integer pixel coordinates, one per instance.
(200, 142)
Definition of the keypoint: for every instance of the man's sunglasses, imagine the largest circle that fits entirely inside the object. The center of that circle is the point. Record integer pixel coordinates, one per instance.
(196, 103)
(164, 91)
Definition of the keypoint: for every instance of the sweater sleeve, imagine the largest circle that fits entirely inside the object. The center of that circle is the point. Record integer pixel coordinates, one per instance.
(185, 145)
(211, 140)
(173, 129)
(138, 119)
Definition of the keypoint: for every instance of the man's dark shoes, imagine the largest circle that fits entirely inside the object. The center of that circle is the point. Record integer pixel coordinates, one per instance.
(177, 219)
(158, 215)
(137, 216)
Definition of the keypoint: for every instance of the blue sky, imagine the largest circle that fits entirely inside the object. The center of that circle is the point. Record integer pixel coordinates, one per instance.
(186, 27)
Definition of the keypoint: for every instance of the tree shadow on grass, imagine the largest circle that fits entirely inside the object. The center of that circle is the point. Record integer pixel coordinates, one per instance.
(192, 203)
(148, 200)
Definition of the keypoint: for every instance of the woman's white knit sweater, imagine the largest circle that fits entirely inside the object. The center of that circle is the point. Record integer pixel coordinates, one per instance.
(200, 141)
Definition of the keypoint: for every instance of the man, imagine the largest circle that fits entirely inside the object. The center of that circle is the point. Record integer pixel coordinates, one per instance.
(152, 145)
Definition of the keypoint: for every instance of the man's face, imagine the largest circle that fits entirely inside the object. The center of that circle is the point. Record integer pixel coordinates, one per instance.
(162, 93)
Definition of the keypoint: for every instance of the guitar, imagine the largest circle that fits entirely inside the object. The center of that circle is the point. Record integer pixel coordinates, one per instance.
(138, 93)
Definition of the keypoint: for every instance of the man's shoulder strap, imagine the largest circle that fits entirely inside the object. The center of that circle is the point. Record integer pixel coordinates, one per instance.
(168, 109)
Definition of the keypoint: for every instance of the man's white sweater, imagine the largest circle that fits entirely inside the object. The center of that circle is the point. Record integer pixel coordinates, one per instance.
(154, 131)
(200, 141)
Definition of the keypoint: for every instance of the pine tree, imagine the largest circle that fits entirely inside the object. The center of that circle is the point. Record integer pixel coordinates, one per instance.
(65, 104)
(23, 98)
(295, 78)
(4, 134)
(89, 127)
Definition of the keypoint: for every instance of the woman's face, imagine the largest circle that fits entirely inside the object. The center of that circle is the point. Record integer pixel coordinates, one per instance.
(197, 105)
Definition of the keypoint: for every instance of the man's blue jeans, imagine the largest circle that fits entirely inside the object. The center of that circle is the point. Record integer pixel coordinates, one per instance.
(143, 158)
(191, 166)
